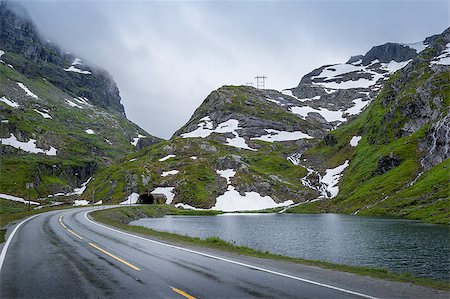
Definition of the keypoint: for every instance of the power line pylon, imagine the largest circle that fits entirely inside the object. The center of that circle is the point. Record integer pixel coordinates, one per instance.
(261, 82)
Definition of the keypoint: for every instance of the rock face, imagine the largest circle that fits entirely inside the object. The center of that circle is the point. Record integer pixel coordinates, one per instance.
(320, 141)
(60, 112)
(339, 92)
(388, 52)
(436, 144)
(41, 59)
(387, 163)
(255, 110)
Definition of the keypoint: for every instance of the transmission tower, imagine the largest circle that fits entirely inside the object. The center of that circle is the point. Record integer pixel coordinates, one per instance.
(261, 82)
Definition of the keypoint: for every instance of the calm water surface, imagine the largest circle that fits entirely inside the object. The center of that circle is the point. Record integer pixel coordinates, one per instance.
(397, 245)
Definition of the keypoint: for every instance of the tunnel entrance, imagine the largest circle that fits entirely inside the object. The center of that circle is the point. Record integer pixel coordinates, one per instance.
(146, 199)
(151, 198)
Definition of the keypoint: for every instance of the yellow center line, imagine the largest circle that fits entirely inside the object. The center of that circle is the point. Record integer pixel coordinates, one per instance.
(60, 221)
(115, 257)
(69, 230)
(73, 233)
(184, 294)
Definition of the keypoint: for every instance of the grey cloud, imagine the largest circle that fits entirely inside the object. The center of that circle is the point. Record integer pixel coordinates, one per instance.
(167, 56)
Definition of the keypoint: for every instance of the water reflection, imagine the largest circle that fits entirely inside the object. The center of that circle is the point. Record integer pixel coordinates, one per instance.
(397, 245)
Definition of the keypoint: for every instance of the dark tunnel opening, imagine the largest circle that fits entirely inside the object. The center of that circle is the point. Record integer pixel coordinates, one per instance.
(151, 198)
(146, 199)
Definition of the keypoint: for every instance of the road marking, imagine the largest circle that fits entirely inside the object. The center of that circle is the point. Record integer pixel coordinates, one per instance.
(73, 233)
(184, 294)
(60, 221)
(115, 257)
(234, 262)
(5, 248)
(68, 229)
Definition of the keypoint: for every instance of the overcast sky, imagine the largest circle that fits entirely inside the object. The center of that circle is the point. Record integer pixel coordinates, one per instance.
(166, 57)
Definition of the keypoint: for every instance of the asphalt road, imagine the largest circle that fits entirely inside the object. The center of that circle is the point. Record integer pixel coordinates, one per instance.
(63, 254)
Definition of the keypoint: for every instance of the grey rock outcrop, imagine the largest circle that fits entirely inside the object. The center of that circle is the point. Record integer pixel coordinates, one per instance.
(42, 59)
(436, 144)
(386, 163)
(388, 52)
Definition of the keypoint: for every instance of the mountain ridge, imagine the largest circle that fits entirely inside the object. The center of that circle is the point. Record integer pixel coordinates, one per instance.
(64, 118)
(306, 145)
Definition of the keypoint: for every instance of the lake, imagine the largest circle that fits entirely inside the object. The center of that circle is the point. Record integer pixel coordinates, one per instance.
(393, 244)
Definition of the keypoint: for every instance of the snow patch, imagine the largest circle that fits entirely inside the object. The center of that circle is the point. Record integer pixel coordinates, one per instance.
(194, 158)
(170, 172)
(27, 90)
(274, 101)
(82, 100)
(79, 191)
(72, 68)
(80, 202)
(358, 108)
(1, 53)
(329, 115)
(332, 177)
(29, 146)
(136, 139)
(394, 66)
(9, 103)
(232, 201)
(275, 135)
(238, 142)
(90, 131)
(205, 128)
(166, 158)
(18, 199)
(444, 58)
(132, 199)
(227, 174)
(167, 191)
(355, 140)
(72, 104)
(43, 114)
(185, 206)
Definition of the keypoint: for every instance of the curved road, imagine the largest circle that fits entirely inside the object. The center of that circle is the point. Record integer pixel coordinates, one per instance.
(64, 254)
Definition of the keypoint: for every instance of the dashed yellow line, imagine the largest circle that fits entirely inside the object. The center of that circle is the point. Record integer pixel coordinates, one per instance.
(182, 293)
(96, 247)
(115, 257)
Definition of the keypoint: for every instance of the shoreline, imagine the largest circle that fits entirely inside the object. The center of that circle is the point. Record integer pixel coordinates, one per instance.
(122, 216)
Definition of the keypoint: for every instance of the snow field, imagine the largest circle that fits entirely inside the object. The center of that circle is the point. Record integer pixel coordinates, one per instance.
(355, 140)
(9, 103)
(27, 90)
(29, 146)
(275, 135)
(205, 128)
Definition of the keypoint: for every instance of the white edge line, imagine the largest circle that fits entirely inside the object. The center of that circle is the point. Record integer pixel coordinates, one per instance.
(8, 241)
(234, 262)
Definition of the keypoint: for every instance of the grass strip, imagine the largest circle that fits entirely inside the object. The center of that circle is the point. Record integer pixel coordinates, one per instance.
(120, 217)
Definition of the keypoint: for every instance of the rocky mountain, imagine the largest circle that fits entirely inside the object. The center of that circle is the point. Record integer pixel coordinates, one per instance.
(397, 150)
(235, 147)
(338, 92)
(369, 136)
(61, 118)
